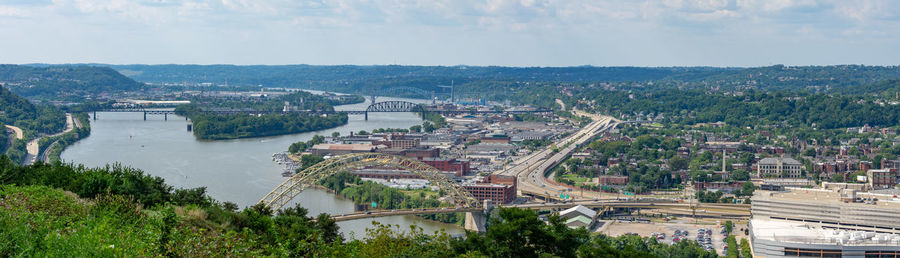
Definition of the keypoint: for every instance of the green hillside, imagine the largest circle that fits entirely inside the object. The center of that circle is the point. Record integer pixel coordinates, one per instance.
(18, 111)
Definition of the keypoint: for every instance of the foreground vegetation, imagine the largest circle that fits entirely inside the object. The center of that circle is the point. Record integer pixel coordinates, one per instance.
(65, 210)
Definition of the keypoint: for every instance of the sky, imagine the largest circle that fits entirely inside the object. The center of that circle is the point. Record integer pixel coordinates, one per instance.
(452, 32)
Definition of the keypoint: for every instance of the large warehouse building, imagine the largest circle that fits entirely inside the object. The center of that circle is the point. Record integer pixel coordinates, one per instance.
(825, 223)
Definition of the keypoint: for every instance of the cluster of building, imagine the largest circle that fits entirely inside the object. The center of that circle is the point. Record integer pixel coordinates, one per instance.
(767, 162)
(402, 183)
(467, 150)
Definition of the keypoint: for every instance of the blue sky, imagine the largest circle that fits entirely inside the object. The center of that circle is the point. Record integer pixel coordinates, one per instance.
(442, 32)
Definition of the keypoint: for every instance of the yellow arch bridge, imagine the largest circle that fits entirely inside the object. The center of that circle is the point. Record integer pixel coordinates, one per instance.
(290, 188)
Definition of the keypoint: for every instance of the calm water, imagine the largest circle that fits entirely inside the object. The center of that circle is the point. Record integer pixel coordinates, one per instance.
(240, 171)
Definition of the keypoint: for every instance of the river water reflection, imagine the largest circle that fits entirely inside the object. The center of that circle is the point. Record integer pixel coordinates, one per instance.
(240, 171)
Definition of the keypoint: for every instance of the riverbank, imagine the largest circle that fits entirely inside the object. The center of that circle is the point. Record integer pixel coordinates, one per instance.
(77, 127)
(237, 170)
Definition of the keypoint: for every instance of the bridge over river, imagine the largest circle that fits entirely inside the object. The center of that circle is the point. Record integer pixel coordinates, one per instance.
(462, 200)
(394, 106)
(729, 211)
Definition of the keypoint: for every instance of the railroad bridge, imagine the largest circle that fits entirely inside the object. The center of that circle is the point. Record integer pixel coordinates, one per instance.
(395, 106)
(384, 106)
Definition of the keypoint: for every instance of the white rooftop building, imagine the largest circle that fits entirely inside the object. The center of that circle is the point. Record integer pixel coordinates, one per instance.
(578, 211)
(578, 216)
(824, 223)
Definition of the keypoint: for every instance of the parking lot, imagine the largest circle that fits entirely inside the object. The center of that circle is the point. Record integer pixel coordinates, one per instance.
(715, 238)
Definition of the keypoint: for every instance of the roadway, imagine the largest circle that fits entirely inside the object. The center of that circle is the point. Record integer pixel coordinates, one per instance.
(531, 169)
(736, 211)
(17, 131)
(33, 148)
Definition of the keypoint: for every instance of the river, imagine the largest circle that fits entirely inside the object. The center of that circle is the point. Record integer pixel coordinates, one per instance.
(239, 171)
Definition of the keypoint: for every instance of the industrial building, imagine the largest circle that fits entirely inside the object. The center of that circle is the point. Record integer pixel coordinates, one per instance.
(458, 167)
(326, 149)
(497, 188)
(578, 216)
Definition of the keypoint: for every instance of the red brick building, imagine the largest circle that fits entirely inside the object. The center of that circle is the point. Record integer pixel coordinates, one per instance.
(865, 165)
(612, 180)
(893, 164)
(412, 153)
(419, 153)
(882, 178)
(458, 167)
(496, 139)
(497, 188)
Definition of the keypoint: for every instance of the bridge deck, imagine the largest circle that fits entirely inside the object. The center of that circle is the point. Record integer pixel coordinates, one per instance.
(737, 211)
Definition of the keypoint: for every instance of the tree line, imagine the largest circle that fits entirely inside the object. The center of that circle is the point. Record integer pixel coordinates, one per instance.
(752, 108)
(217, 127)
(66, 82)
(211, 126)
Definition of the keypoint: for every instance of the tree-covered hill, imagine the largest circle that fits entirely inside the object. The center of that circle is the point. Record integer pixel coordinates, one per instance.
(887, 88)
(18, 111)
(70, 82)
(303, 75)
(366, 79)
(836, 78)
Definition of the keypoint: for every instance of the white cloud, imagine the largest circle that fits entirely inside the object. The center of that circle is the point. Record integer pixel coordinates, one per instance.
(287, 31)
(13, 12)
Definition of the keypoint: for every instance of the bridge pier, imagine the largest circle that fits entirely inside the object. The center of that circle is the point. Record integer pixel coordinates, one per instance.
(367, 115)
(95, 115)
(165, 116)
(477, 221)
(145, 115)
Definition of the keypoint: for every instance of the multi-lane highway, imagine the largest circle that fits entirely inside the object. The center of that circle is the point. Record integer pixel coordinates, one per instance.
(33, 148)
(531, 168)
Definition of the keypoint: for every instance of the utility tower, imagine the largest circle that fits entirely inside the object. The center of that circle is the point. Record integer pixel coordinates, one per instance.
(452, 97)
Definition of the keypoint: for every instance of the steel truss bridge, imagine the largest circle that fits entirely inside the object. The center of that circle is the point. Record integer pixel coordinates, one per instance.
(410, 91)
(290, 188)
(385, 106)
(164, 112)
